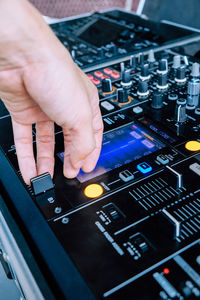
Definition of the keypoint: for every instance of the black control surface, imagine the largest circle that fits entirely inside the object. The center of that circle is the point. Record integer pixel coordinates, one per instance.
(102, 37)
(131, 227)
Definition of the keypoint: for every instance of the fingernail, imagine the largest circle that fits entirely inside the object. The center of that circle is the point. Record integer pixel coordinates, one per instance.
(87, 168)
(71, 173)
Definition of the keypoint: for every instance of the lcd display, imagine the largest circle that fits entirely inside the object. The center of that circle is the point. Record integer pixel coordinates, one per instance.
(100, 33)
(120, 147)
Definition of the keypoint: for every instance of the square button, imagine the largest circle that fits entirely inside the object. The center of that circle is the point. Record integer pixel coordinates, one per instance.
(162, 159)
(126, 175)
(144, 168)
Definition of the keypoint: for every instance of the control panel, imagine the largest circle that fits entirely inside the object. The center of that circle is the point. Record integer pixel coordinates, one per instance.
(105, 36)
(136, 216)
(131, 227)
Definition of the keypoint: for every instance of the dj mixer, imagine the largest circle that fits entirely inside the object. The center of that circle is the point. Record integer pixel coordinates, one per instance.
(131, 228)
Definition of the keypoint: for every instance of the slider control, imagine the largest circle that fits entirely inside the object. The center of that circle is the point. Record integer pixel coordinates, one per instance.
(43, 189)
(180, 111)
(176, 223)
(179, 177)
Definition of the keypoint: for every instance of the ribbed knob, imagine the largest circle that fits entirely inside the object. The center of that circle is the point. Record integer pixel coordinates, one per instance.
(126, 76)
(122, 96)
(143, 90)
(180, 77)
(180, 74)
(145, 71)
(193, 93)
(195, 70)
(157, 101)
(162, 66)
(151, 57)
(176, 61)
(142, 87)
(162, 81)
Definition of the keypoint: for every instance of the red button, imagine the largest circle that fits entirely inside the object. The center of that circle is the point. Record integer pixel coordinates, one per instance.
(90, 76)
(107, 71)
(166, 271)
(98, 74)
(96, 81)
(115, 74)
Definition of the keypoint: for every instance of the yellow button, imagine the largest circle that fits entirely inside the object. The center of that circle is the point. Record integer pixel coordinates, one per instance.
(192, 146)
(93, 190)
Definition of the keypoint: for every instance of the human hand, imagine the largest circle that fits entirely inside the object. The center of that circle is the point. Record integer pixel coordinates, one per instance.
(39, 83)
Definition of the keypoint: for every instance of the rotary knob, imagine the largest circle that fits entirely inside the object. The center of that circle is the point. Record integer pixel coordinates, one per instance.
(162, 66)
(122, 95)
(180, 77)
(162, 82)
(106, 85)
(145, 72)
(176, 62)
(195, 70)
(157, 101)
(143, 90)
(193, 93)
(126, 78)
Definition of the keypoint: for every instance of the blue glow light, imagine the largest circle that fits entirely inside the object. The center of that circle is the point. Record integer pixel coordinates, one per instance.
(144, 168)
(120, 147)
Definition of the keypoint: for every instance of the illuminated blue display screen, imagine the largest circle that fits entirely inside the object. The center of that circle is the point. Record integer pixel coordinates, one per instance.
(120, 147)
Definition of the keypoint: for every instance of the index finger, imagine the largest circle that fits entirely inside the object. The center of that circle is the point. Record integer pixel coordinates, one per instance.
(24, 148)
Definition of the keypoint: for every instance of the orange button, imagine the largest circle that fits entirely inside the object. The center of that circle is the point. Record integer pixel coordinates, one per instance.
(93, 190)
(107, 71)
(192, 146)
(99, 74)
(96, 81)
(115, 74)
(90, 76)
